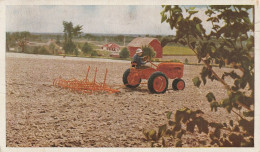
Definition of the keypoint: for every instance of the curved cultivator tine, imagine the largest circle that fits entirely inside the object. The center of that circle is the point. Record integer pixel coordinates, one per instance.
(84, 86)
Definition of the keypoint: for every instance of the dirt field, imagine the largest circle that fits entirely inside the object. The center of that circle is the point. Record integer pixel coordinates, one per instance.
(40, 115)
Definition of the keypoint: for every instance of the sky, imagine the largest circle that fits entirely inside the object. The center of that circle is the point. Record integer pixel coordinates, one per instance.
(117, 19)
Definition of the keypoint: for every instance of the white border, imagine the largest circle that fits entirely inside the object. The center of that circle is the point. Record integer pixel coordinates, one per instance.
(125, 2)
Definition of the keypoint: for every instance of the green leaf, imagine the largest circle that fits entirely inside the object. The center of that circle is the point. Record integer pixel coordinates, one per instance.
(179, 135)
(235, 139)
(146, 134)
(186, 116)
(171, 123)
(168, 132)
(178, 143)
(236, 129)
(192, 8)
(202, 124)
(248, 126)
(216, 125)
(169, 115)
(163, 17)
(231, 123)
(209, 12)
(179, 18)
(182, 42)
(152, 135)
(217, 133)
(204, 73)
(243, 37)
(177, 127)
(210, 96)
(203, 142)
(163, 142)
(214, 105)
(167, 8)
(180, 114)
(198, 28)
(199, 112)
(226, 143)
(249, 45)
(162, 130)
(193, 44)
(248, 113)
(183, 109)
(191, 126)
(215, 141)
(205, 125)
(196, 81)
(193, 12)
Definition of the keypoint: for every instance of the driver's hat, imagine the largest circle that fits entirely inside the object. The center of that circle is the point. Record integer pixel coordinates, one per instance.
(139, 51)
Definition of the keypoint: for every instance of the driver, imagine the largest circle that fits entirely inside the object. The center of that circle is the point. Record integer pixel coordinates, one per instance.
(138, 59)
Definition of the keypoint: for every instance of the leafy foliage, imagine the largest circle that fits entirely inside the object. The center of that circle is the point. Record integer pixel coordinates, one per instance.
(186, 120)
(58, 40)
(148, 51)
(87, 49)
(124, 53)
(186, 61)
(94, 53)
(52, 48)
(229, 43)
(17, 38)
(69, 32)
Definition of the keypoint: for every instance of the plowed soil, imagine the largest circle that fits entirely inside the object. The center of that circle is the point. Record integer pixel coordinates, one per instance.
(40, 115)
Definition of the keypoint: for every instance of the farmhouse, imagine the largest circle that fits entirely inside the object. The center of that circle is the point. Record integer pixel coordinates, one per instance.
(140, 42)
(111, 47)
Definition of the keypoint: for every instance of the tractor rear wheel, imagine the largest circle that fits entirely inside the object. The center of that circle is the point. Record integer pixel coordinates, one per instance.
(157, 83)
(178, 84)
(131, 80)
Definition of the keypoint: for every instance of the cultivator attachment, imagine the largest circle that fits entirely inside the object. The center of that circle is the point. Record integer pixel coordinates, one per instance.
(84, 86)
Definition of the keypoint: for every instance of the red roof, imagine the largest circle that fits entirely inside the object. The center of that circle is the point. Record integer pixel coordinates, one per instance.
(111, 45)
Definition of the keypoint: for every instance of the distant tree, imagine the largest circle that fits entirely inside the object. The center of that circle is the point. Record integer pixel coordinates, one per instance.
(94, 53)
(124, 53)
(22, 44)
(58, 40)
(52, 48)
(36, 50)
(159, 37)
(69, 33)
(17, 38)
(87, 49)
(43, 50)
(119, 38)
(148, 51)
(76, 52)
(186, 61)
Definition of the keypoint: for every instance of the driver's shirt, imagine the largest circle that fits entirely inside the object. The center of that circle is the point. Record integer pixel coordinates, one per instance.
(138, 60)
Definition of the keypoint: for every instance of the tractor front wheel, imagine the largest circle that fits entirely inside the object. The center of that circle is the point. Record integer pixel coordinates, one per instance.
(157, 83)
(178, 84)
(131, 80)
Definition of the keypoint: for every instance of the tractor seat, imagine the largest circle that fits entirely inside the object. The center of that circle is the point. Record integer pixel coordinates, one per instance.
(133, 64)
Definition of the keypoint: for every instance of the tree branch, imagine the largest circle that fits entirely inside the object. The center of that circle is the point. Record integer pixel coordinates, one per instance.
(237, 114)
(218, 78)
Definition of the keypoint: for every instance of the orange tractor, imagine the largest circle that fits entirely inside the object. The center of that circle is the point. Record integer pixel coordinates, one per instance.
(157, 77)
